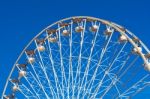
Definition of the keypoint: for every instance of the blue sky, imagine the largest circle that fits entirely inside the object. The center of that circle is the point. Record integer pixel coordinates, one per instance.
(21, 20)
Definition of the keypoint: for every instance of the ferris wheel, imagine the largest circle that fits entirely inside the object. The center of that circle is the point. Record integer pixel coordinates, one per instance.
(80, 58)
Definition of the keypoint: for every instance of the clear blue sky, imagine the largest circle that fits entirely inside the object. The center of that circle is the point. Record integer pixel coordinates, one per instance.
(21, 20)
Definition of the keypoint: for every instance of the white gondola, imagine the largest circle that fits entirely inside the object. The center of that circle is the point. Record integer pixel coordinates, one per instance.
(41, 48)
(93, 28)
(6, 97)
(147, 67)
(52, 39)
(123, 38)
(10, 96)
(22, 73)
(79, 29)
(108, 31)
(65, 32)
(31, 60)
(15, 88)
(137, 50)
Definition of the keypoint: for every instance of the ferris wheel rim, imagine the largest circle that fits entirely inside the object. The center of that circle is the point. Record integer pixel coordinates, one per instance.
(112, 24)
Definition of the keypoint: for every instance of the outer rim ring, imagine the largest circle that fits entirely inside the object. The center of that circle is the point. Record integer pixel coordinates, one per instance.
(112, 24)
